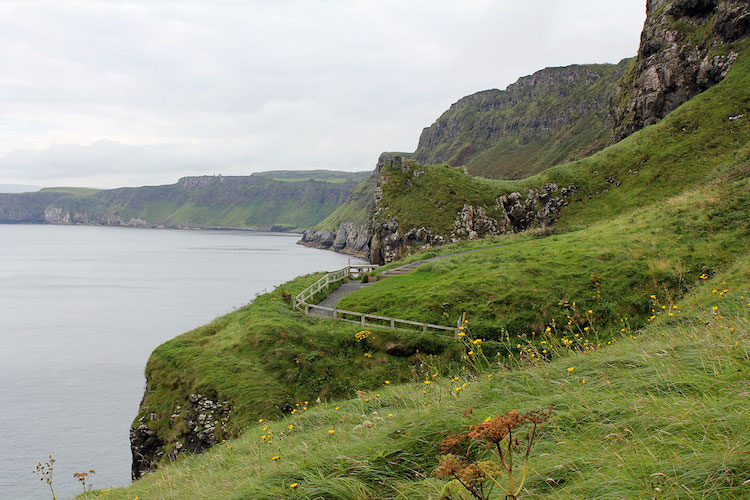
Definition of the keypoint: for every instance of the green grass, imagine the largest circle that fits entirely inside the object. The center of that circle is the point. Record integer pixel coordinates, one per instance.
(663, 410)
(357, 207)
(265, 357)
(691, 145)
(664, 404)
(519, 284)
(254, 202)
(498, 136)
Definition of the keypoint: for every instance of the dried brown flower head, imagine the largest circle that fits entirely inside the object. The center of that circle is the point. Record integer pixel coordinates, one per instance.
(450, 466)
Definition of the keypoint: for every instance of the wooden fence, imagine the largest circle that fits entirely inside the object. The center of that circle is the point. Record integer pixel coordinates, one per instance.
(300, 302)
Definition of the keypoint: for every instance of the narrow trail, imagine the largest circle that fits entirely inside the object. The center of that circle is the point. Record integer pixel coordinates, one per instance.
(342, 291)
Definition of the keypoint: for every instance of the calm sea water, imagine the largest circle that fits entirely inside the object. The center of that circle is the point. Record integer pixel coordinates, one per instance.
(81, 309)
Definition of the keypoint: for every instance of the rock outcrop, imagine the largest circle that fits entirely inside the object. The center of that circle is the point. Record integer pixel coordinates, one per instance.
(684, 50)
(204, 422)
(349, 238)
(511, 213)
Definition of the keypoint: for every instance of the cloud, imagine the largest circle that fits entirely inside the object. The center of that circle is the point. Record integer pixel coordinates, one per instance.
(136, 91)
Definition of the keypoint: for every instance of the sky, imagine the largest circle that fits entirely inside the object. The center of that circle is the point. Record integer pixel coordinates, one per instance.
(128, 93)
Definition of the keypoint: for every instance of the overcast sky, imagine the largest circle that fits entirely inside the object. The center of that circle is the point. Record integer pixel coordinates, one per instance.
(115, 93)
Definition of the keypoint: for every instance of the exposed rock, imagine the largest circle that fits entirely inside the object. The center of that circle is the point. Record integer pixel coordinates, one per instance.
(474, 223)
(321, 238)
(352, 239)
(539, 208)
(681, 54)
(203, 419)
(59, 215)
(146, 447)
(349, 238)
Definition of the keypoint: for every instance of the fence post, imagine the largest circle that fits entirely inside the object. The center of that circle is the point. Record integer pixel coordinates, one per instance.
(393, 323)
(362, 318)
(424, 328)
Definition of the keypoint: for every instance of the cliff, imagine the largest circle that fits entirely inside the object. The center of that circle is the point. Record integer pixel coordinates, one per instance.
(687, 46)
(292, 201)
(347, 229)
(552, 116)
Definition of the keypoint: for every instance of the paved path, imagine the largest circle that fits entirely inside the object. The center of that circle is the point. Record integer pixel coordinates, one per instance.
(334, 297)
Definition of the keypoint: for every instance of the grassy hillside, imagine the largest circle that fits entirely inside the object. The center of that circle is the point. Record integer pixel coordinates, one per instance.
(609, 267)
(630, 317)
(296, 200)
(552, 116)
(265, 358)
(78, 191)
(356, 208)
(694, 143)
(660, 413)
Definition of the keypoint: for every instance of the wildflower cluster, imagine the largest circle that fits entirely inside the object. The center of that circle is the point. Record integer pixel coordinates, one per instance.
(362, 335)
(473, 355)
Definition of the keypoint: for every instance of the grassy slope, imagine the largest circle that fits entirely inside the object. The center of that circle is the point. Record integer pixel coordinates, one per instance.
(680, 152)
(665, 409)
(248, 203)
(264, 357)
(356, 208)
(78, 191)
(692, 179)
(519, 284)
(521, 152)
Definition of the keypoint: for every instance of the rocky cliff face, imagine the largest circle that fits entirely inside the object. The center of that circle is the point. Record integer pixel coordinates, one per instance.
(202, 423)
(26, 207)
(349, 238)
(685, 49)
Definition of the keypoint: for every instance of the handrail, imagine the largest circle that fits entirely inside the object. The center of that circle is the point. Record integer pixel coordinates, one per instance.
(300, 303)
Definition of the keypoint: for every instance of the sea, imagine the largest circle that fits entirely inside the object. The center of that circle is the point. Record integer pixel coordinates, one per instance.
(81, 309)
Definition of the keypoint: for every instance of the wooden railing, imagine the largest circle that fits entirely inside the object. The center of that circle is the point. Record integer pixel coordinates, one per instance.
(300, 302)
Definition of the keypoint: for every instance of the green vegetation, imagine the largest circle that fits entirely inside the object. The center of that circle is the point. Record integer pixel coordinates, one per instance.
(529, 127)
(630, 316)
(609, 266)
(265, 357)
(356, 208)
(660, 414)
(298, 201)
(694, 143)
